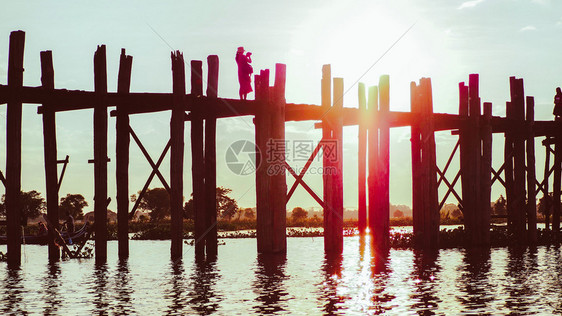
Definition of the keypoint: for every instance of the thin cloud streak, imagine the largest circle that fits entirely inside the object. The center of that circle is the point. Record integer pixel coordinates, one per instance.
(470, 4)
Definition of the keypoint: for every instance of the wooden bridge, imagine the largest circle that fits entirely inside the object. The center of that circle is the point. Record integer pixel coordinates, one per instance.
(373, 116)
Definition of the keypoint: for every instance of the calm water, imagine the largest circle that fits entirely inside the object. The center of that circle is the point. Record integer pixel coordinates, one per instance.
(239, 282)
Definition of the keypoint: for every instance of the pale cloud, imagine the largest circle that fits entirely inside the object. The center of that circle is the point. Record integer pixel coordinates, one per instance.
(470, 4)
(541, 2)
(528, 28)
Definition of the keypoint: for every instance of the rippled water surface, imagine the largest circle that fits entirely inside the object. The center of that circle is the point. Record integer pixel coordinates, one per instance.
(239, 282)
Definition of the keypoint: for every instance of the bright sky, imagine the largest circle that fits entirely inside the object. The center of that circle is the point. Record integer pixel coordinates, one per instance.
(448, 41)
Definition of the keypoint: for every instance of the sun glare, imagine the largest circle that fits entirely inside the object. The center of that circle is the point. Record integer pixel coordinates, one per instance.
(361, 46)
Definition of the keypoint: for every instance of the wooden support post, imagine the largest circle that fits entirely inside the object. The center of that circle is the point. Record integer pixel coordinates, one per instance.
(428, 168)
(531, 176)
(176, 155)
(278, 184)
(474, 157)
(486, 174)
(333, 232)
(211, 161)
(464, 131)
(122, 155)
(198, 160)
(556, 184)
(327, 128)
(13, 150)
(362, 160)
(50, 151)
(381, 236)
(373, 184)
(100, 153)
(417, 183)
(546, 195)
(518, 104)
(508, 170)
(264, 220)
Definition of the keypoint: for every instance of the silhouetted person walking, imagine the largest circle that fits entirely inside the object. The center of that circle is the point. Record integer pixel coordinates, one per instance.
(558, 103)
(245, 71)
(69, 223)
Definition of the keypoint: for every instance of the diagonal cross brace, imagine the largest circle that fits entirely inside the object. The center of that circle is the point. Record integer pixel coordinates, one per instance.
(451, 188)
(65, 163)
(2, 178)
(152, 164)
(149, 180)
(304, 185)
(298, 179)
(441, 177)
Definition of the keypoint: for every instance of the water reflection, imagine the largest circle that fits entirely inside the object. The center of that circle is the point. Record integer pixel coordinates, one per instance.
(123, 289)
(330, 300)
(14, 293)
(520, 274)
(425, 295)
(269, 284)
(379, 274)
(203, 297)
(179, 287)
(51, 285)
(102, 297)
(474, 282)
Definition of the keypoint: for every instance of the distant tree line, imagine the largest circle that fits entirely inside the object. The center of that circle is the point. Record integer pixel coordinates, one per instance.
(33, 204)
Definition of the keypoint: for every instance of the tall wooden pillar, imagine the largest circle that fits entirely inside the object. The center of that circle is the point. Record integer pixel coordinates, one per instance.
(333, 216)
(417, 183)
(518, 104)
(100, 153)
(381, 235)
(327, 179)
(467, 200)
(373, 184)
(211, 160)
(362, 160)
(271, 186)
(485, 174)
(50, 150)
(474, 157)
(176, 155)
(13, 150)
(531, 174)
(278, 186)
(198, 160)
(556, 185)
(263, 218)
(508, 170)
(546, 196)
(428, 219)
(122, 154)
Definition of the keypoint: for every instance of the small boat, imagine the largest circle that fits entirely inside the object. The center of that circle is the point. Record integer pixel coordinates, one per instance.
(76, 237)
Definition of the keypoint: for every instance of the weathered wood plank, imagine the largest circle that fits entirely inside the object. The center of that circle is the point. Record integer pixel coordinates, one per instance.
(486, 174)
(417, 183)
(278, 187)
(13, 149)
(382, 235)
(122, 155)
(176, 155)
(211, 161)
(362, 160)
(531, 173)
(50, 151)
(373, 157)
(100, 154)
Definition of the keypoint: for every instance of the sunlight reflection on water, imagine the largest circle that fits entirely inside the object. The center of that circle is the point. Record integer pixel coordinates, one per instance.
(305, 281)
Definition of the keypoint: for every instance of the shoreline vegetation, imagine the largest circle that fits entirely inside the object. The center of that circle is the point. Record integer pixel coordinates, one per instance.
(312, 227)
(401, 235)
(153, 220)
